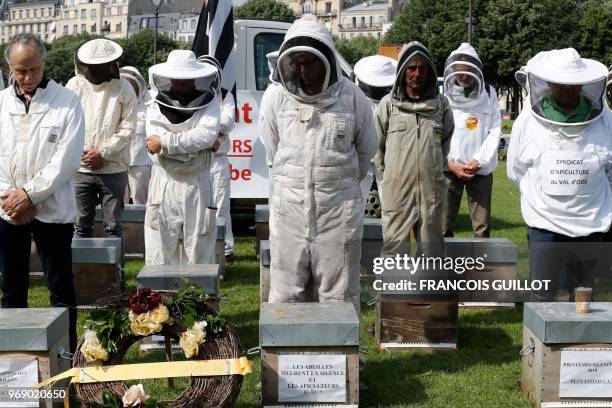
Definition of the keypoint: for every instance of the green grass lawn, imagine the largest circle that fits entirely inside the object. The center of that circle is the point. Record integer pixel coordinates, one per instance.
(483, 372)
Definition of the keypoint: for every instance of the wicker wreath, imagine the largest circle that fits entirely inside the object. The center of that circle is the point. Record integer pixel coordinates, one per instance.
(215, 391)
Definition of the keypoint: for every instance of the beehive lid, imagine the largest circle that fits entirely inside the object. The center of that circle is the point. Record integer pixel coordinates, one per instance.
(32, 329)
(264, 252)
(491, 249)
(308, 324)
(372, 229)
(555, 323)
(96, 250)
(170, 277)
(262, 213)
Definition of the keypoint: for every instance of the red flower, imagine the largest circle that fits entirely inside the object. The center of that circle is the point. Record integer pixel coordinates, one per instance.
(144, 300)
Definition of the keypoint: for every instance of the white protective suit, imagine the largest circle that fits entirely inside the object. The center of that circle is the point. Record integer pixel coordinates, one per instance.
(220, 170)
(563, 170)
(1, 81)
(110, 120)
(272, 59)
(320, 146)
(139, 172)
(375, 76)
(477, 116)
(40, 151)
(180, 225)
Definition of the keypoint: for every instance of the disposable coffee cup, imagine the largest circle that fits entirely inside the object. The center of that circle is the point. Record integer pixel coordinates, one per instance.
(583, 300)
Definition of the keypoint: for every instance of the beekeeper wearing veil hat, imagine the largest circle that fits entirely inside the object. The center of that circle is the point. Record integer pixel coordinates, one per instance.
(472, 157)
(182, 128)
(375, 76)
(560, 157)
(319, 134)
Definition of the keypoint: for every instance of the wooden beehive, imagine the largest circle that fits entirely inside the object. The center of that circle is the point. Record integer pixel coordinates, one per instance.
(170, 277)
(500, 257)
(262, 225)
(37, 334)
(549, 329)
(371, 247)
(318, 340)
(407, 323)
(132, 223)
(96, 266)
(264, 271)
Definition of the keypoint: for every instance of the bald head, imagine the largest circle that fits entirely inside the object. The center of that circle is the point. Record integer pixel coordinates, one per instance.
(25, 55)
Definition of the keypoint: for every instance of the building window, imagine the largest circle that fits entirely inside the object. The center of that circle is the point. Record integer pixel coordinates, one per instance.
(363, 22)
(193, 24)
(21, 14)
(93, 28)
(35, 13)
(381, 19)
(354, 22)
(185, 25)
(306, 8)
(118, 28)
(42, 12)
(264, 43)
(94, 13)
(107, 11)
(51, 12)
(75, 29)
(83, 28)
(66, 15)
(327, 8)
(83, 14)
(71, 3)
(27, 13)
(65, 30)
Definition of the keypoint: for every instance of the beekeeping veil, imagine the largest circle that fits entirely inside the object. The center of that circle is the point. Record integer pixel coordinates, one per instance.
(183, 70)
(375, 76)
(463, 79)
(553, 75)
(307, 36)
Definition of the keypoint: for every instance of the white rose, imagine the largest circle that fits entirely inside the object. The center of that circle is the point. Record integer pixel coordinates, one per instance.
(201, 325)
(134, 396)
(92, 349)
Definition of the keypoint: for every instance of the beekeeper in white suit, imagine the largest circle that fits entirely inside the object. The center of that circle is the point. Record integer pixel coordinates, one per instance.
(319, 134)
(472, 158)
(182, 129)
(139, 172)
(560, 157)
(220, 169)
(274, 83)
(375, 76)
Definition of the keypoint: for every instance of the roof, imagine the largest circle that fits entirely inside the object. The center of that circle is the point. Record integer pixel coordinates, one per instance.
(139, 7)
(367, 7)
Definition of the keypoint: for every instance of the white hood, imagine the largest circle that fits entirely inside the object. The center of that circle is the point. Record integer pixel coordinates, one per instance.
(306, 35)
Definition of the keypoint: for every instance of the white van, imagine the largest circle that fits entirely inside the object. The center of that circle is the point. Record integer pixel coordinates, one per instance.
(254, 39)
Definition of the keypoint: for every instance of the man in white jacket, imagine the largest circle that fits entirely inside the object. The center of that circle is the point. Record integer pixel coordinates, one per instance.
(560, 157)
(472, 158)
(182, 130)
(139, 172)
(40, 148)
(110, 105)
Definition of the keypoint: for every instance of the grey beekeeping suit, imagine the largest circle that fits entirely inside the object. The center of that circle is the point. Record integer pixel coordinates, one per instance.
(320, 146)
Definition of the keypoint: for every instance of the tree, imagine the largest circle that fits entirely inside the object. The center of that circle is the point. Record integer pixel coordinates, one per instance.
(354, 49)
(264, 9)
(59, 64)
(138, 50)
(594, 30)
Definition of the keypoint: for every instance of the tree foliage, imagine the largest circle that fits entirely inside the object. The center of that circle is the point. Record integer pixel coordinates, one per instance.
(264, 9)
(354, 49)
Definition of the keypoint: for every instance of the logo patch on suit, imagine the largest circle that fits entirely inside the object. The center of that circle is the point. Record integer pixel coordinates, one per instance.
(471, 123)
(52, 138)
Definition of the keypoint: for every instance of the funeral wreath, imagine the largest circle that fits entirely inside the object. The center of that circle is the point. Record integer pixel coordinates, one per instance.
(185, 316)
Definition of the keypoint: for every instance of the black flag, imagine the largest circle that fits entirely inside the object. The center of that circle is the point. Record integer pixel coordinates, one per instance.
(215, 37)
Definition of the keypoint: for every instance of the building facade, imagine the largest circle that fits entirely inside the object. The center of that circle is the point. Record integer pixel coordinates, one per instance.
(365, 19)
(37, 17)
(102, 17)
(187, 27)
(167, 23)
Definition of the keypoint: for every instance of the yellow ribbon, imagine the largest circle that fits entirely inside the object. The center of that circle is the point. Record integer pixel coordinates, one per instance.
(171, 369)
